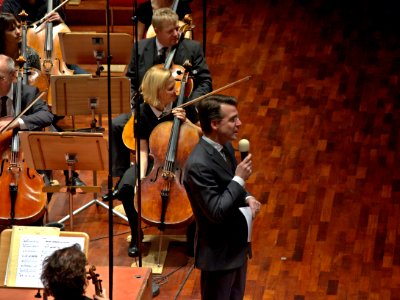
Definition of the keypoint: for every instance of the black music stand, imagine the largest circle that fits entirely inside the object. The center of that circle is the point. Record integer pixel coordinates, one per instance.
(92, 48)
(67, 150)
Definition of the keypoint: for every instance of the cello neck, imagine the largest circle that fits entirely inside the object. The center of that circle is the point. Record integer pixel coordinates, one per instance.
(174, 5)
(23, 16)
(171, 153)
(48, 43)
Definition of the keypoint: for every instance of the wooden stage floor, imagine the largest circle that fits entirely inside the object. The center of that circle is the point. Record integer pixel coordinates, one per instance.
(321, 114)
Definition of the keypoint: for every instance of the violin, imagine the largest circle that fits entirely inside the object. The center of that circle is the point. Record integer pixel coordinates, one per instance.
(164, 200)
(95, 280)
(22, 201)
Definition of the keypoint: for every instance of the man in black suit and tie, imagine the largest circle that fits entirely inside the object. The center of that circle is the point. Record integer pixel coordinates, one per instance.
(153, 51)
(215, 185)
(37, 117)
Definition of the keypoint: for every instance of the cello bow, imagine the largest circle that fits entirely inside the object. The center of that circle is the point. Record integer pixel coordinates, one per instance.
(229, 85)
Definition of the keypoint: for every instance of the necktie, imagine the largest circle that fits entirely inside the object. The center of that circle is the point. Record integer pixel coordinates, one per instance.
(162, 56)
(227, 157)
(3, 106)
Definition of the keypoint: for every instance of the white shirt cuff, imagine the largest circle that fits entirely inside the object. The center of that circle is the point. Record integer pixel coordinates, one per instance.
(238, 180)
(22, 124)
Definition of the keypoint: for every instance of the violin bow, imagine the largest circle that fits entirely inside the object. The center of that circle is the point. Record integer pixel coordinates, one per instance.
(229, 85)
(39, 22)
(22, 112)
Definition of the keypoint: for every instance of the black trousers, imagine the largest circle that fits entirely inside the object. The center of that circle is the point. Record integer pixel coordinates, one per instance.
(223, 285)
(120, 153)
(126, 194)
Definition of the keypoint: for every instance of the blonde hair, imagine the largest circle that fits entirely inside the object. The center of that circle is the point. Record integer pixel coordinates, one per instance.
(163, 17)
(153, 82)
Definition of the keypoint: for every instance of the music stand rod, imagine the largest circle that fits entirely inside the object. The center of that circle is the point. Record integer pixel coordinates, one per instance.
(110, 183)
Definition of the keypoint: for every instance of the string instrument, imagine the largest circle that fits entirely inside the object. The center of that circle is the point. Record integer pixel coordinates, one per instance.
(46, 42)
(22, 201)
(31, 75)
(164, 200)
(177, 72)
(95, 280)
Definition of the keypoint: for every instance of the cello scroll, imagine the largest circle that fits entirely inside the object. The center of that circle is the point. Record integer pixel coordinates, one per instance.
(92, 275)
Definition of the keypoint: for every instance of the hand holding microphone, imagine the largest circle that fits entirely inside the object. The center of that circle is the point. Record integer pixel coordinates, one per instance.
(244, 147)
(244, 169)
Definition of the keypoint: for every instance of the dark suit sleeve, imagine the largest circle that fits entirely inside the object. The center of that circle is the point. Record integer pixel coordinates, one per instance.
(131, 73)
(38, 116)
(202, 77)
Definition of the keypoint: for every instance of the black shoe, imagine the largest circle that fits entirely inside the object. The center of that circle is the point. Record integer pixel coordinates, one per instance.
(155, 289)
(133, 250)
(114, 195)
(76, 181)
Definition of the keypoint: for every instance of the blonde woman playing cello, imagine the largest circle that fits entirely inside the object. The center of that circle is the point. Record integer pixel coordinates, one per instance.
(158, 88)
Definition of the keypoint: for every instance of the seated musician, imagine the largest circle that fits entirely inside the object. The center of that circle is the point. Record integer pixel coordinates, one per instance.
(36, 10)
(10, 41)
(165, 23)
(64, 275)
(37, 117)
(145, 10)
(158, 89)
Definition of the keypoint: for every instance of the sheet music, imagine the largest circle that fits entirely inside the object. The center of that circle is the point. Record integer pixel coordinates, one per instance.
(32, 252)
(246, 211)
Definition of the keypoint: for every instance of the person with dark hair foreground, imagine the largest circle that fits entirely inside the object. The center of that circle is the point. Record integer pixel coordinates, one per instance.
(64, 275)
(215, 185)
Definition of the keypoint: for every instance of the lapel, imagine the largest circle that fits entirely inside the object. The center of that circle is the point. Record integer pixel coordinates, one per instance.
(217, 158)
(150, 53)
(180, 55)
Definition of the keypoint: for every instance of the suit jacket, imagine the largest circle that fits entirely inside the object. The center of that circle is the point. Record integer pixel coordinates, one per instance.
(221, 229)
(187, 49)
(38, 116)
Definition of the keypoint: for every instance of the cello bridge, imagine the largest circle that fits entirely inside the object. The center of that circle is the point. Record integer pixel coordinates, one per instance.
(168, 175)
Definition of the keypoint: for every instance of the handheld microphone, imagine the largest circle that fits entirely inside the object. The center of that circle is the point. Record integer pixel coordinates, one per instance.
(244, 147)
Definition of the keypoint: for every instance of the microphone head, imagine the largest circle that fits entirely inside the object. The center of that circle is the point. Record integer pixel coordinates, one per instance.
(244, 145)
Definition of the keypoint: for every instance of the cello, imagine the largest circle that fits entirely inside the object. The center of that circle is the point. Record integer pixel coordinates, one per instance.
(22, 201)
(46, 42)
(177, 72)
(31, 75)
(164, 200)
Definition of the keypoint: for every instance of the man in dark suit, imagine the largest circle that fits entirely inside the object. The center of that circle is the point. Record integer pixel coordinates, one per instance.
(153, 51)
(37, 117)
(215, 185)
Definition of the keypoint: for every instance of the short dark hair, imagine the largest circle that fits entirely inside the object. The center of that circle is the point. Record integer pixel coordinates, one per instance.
(64, 273)
(210, 109)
